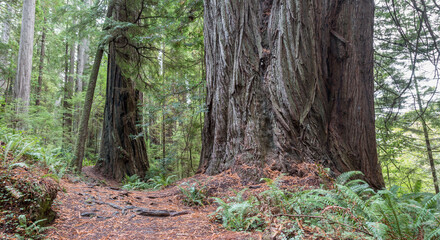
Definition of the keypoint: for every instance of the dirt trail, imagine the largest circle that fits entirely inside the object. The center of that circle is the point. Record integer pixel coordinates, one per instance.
(90, 211)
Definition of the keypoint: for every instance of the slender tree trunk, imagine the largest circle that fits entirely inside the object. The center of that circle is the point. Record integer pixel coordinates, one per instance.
(84, 122)
(427, 138)
(289, 82)
(81, 63)
(41, 65)
(123, 150)
(83, 56)
(3, 57)
(68, 93)
(22, 86)
(7, 25)
(164, 136)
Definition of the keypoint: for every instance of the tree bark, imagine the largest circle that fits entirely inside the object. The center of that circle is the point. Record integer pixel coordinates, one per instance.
(82, 61)
(289, 82)
(84, 122)
(80, 66)
(68, 93)
(3, 57)
(123, 151)
(22, 85)
(41, 65)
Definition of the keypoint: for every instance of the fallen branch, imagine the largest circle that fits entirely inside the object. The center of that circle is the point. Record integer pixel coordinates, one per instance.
(115, 206)
(159, 213)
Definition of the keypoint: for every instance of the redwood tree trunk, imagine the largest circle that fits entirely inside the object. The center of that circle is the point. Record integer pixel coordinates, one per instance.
(22, 85)
(123, 151)
(289, 82)
(41, 65)
(4, 55)
(68, 93)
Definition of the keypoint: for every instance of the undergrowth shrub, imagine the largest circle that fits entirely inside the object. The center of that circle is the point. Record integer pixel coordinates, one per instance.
(26, 196)
(349, 210)
(162, 181)
(19, 146)
(237, 213)
(134, 182)
(194, 195)
(31, 230)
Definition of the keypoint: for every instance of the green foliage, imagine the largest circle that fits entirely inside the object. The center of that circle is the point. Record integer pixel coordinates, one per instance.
(20, 145)
(161, 181)
(351, 210)
(31, 231)
(134, 182)
(194, 195)
(406, 96)
(237, 213)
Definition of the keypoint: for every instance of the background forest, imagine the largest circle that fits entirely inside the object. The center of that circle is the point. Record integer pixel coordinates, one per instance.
(170, 70)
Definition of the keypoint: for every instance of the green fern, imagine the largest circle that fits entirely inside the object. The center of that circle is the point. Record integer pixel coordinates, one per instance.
(344, 177)
(352, 210)
(194, 195)
(162, 181)
(134, 182)
(238, 214)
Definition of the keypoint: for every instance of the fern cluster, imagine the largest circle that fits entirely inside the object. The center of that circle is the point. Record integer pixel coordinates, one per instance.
(20, 146)
(350, 210)
(162, 181)
(134, 182)
(238, 213)
(194, 195)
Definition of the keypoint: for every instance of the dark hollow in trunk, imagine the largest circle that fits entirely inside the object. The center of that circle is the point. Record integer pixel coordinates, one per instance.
(289, 82)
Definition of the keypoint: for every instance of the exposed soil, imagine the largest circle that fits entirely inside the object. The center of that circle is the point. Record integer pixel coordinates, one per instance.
(89, 210)
(97, 209)
(93, 207)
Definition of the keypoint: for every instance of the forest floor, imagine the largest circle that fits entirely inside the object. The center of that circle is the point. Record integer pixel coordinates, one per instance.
(93, 207)
(96, 208)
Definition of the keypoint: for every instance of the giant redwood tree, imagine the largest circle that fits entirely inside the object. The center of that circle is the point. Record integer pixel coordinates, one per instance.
(123, 151)
(288, 82)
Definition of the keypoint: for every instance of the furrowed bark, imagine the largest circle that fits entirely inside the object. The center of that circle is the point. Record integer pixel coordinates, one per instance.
(41, 65)
(22, 86)
(289, 82)
(123, 151)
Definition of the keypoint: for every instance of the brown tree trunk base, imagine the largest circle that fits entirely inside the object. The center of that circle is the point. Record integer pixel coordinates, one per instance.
(289, 82)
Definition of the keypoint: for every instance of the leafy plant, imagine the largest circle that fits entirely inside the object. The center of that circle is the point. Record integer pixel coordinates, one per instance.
(194, 195)
(349, 210)
(237, 213)
(162, 181)
(34, 230)
(134, 182)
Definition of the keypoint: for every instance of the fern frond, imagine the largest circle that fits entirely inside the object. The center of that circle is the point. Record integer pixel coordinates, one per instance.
(425, 213)
(434, 235)
(24, 150)
(20, 164)
(344, 177)
(379, 230)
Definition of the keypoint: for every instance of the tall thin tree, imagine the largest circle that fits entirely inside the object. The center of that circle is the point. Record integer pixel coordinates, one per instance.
(22, 85)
